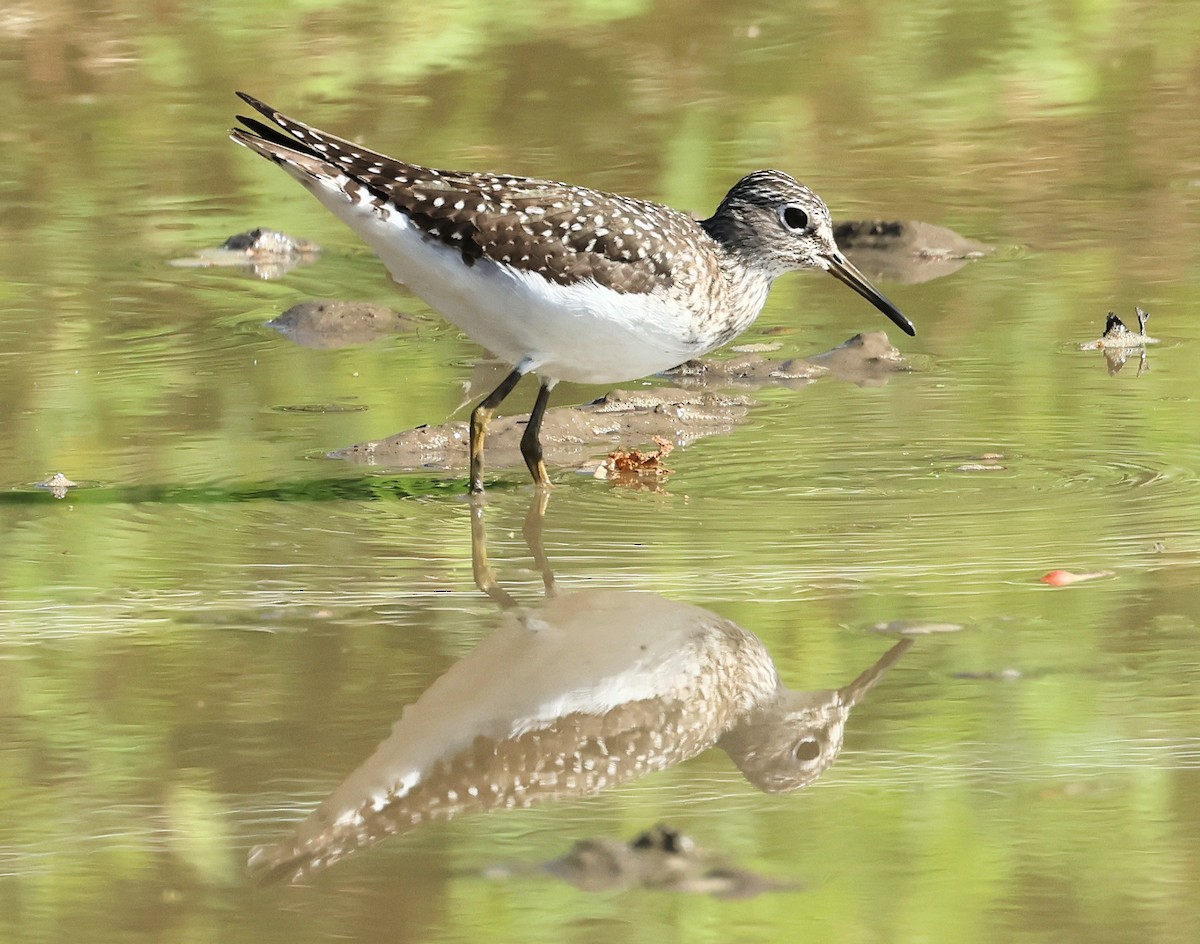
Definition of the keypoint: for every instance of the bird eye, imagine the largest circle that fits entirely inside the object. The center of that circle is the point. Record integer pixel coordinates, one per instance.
(794, 218)
(808, 749)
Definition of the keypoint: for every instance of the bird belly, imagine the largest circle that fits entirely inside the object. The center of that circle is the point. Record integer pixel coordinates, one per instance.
(583, 332)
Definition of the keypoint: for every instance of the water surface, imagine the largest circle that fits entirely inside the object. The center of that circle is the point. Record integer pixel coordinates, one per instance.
(203, 641)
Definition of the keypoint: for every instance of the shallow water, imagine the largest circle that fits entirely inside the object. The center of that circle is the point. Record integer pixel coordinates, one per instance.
(212, 632)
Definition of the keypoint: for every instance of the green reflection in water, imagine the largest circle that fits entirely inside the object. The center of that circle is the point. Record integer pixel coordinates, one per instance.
(367, 488)
(172, 659)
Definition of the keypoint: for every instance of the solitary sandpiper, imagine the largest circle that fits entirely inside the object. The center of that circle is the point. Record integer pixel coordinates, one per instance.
(566, 282)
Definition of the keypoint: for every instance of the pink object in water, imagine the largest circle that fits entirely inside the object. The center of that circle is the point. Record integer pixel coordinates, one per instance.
(1061, 578)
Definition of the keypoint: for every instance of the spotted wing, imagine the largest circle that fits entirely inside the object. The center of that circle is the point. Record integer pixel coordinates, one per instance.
(576, 755)
(563, 233)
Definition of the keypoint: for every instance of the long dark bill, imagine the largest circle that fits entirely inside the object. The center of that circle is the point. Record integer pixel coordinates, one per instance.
(844, 270)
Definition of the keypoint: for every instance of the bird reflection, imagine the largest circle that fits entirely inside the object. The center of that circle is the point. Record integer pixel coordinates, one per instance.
(586, 691)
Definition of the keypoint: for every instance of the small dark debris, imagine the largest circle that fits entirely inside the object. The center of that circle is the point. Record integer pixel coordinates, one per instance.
(57, 485)
(661, 858)
(1118, 335)
(268, 242)
(270, 254)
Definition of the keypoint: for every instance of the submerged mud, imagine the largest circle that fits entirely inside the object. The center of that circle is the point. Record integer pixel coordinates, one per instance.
(700, 405)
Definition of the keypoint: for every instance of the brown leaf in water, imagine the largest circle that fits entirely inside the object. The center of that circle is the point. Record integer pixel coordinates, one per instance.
(632, 467)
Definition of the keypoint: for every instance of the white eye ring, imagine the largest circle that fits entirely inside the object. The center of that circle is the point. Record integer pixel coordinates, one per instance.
(794, 218)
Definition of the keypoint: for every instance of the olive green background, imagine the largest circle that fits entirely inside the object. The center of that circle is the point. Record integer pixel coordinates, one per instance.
(201, 643)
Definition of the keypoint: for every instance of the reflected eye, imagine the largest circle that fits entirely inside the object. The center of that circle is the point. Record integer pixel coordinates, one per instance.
(794, 218)
(806, 750)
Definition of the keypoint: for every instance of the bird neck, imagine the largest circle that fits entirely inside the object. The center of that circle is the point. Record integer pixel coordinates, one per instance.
(743, 263)
(727, 228)
(745, 289)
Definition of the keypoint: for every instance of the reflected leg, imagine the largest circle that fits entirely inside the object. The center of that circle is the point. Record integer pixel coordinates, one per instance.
(481, 566)
(532, 532)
